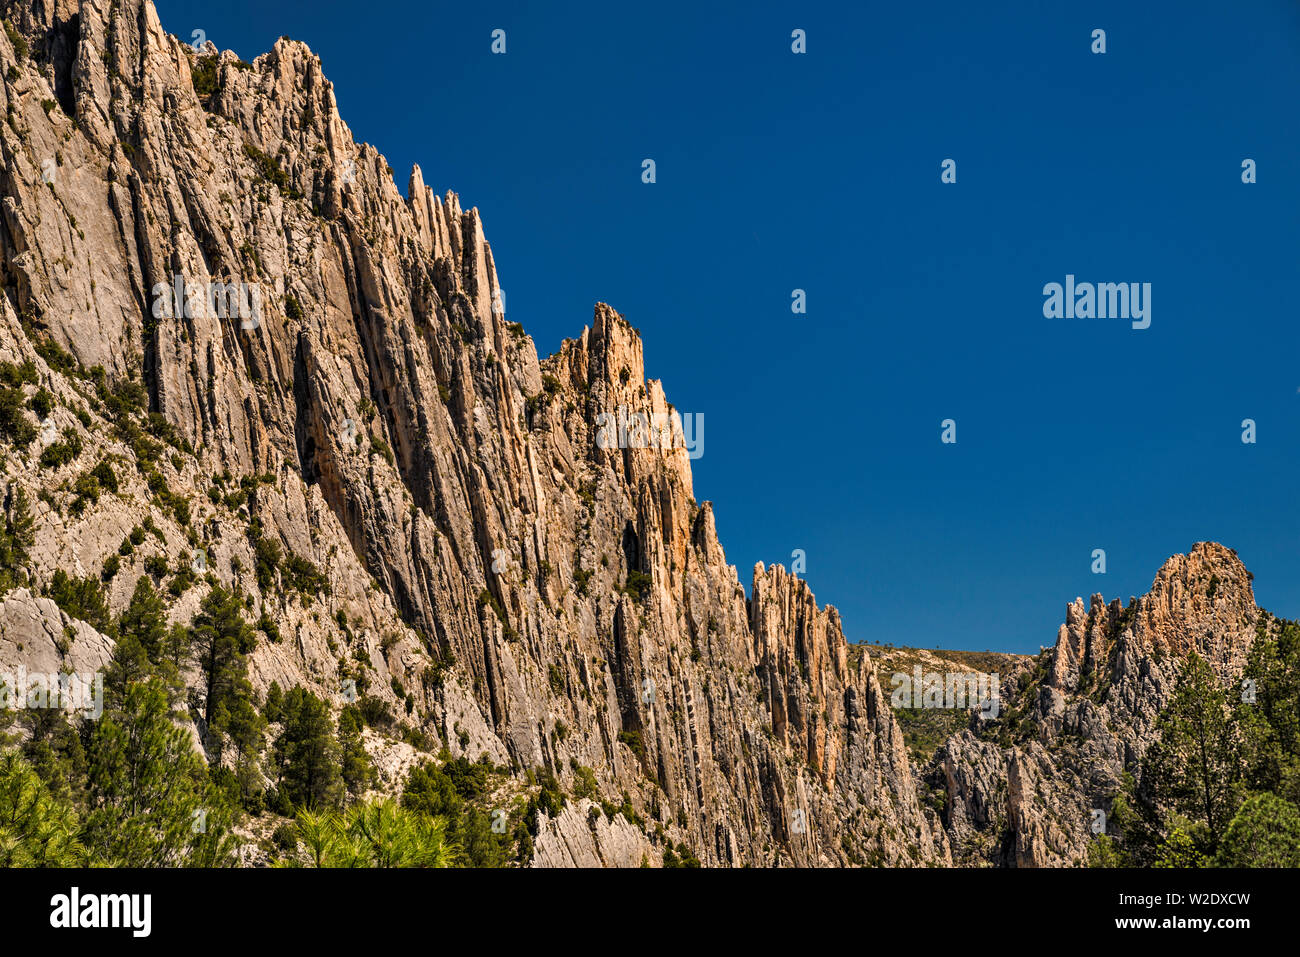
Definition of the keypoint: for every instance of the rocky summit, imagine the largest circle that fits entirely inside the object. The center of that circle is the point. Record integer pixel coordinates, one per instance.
(238, 360)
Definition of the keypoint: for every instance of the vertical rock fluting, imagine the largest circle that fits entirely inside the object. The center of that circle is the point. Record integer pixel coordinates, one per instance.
(545, 600)
(495, 574)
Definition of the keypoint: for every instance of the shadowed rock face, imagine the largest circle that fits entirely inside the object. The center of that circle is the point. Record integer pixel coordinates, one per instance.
(491, 572)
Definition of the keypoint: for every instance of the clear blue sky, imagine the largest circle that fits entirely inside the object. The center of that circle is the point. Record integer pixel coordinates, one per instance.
(822, 172)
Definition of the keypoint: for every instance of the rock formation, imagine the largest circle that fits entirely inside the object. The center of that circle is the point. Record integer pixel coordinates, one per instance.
(1022, 794)
(350, 430)
(542, 600)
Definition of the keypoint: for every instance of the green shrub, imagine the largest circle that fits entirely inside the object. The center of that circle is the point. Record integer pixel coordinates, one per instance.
(81, 598)
(55, 356)
(86, 488)
(13, 419)
(638, 584)
(268, 169)
(304, 577)
(18, 41)
(42, 403)
(267, 555)
(584, 781)
(107, 478)
(61, 453)
(203, 74)
(380, 447)
(267, 626)
(634, 741)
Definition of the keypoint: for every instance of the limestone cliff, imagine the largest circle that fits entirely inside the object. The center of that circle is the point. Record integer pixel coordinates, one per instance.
(351, 430)
(1022, 792)
(464, 548)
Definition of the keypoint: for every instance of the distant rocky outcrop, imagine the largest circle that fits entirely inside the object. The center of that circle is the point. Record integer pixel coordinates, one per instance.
(1022, 793)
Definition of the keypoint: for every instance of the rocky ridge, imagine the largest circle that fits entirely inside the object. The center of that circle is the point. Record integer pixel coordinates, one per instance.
(1022, 794)
(539, 599)
(456, 540)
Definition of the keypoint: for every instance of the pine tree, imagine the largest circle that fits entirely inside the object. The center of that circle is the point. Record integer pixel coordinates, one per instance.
(54, 751)
(377, 833)
(81, 598)
(446, 792)
(36, 829)
(358, 773)
(141, 630)
(145, 619)
(176, 647)
(221, 639)
(1194, 768)
(130, 664)
(1265, 833)
(241, 726)
(16, 537)
(1270, 718)
(307, 754)
(150, 802)
(274, 702)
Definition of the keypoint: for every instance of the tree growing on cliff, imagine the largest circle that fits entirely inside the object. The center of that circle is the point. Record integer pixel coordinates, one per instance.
(306, 754)
(1269, 710)
(357, 771)
(221, 641)
(1193, 771)
(16, 538)
(142, 636)
(150, 801)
